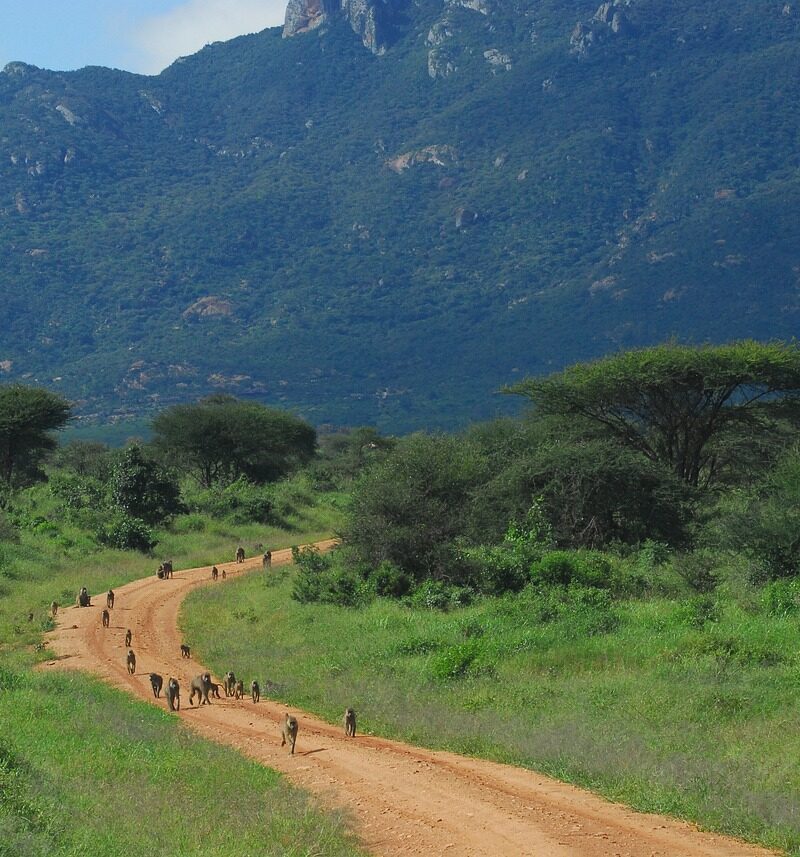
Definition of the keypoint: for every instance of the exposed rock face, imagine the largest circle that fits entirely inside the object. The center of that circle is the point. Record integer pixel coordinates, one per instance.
(610, 18)
(497, 59)
(440, 63)
(440, 156)
(371, 20)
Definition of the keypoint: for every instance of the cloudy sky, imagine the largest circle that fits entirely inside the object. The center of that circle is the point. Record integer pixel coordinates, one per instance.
(137, 35)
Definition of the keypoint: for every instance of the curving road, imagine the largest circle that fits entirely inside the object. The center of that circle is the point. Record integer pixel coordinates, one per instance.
(402, 800)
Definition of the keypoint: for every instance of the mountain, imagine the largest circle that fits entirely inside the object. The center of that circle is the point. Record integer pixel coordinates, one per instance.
(386, 210)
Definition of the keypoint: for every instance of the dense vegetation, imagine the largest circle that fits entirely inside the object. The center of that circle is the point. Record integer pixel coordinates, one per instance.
(236, 222)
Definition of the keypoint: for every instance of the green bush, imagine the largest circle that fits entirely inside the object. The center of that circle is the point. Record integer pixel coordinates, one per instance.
(126, 533)
(583, 568)
(438, 595)
(455, 661)
(781, 597)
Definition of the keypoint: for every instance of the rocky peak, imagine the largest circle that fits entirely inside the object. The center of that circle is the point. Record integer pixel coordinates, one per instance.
(371, 20)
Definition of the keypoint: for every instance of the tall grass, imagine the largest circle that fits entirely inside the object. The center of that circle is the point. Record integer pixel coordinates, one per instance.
(683, 706)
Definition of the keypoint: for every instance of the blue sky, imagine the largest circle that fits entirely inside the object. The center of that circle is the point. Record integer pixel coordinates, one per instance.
(137, 35)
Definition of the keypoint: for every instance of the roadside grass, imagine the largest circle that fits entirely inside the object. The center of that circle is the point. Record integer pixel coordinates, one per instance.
(680, 706)
(86, 770)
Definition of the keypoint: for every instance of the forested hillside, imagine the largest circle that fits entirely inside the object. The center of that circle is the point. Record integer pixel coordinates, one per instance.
(507, 188)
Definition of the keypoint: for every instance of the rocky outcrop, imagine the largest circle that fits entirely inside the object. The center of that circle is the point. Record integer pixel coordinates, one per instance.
(610, 19)
(371, 20)
(440, 63)
(439, 156)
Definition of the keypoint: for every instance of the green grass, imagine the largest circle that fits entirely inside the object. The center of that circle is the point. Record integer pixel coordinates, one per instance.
(685, 707)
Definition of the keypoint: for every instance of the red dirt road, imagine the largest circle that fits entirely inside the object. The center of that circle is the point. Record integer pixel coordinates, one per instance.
(402, 800)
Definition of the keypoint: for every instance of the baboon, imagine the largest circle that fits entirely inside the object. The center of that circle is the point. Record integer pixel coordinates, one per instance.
(166, 567)
(30, 617)
(258, 547)
(185, 651)
(255, 691)
(128, 637)
(83, 598)
(214, 690)
(160, 572)
(349, 723)
(289, 731)
(200, 685)
(238, 692)
(173, 695)
(224, 575)
(106, 618)
(53, 608)
(110, 599)
(266, 561)
(240, 554)
(214, 572)
(131, 662)
(156, 682)
(229, 683)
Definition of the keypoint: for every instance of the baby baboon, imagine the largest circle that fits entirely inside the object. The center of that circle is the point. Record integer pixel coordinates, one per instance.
(110, 599)
(106, 618)
(53, 608)
(255, 691)
(160, 572)
(200, 685)
(214, 690)
(156, 682)
(289, 731)
(131, 662)
(83, 598)
(173, 695)
(214, 572)
(224, 575)
(186, 652)
(238, 692)
(229, 683)
(349, 723)
(266, 560)
(240, 554)
(128, 637)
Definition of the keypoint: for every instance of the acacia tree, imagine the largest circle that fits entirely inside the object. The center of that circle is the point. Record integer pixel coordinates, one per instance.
(28, 416)
(221, 438)
(678, 405)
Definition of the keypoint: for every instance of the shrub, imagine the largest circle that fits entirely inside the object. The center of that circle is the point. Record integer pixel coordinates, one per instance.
(438, 595)
(781, 597)
(126, 533)
(455, 661)
(583, 568)
(389, 580)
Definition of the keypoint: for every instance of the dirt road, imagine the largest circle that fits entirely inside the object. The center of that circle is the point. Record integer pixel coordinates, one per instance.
(402, 800)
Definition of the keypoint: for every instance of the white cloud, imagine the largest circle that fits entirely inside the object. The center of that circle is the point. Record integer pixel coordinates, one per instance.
(160, 39)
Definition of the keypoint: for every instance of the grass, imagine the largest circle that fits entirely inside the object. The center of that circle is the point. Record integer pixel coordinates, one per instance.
(86, 770)
(672, 705)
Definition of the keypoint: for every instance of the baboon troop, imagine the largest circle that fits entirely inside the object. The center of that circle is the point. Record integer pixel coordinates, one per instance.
(131, 662)
(266, 561)
(83, 598)
(156, 682)
(238, 692)
(349, 723)
(110, 599)
(106, 618)
(214, 572)
(240, 554)
(289, 731)
(229, 683)
(200, 685)
(185, 651)
(255, 691)
(53, 608)
(128, 637)
(173, 695)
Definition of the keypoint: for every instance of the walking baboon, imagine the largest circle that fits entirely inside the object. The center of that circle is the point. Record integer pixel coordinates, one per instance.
(166, 567)
(53, 608)
(255, 691)
(128, 637)
(131, 662)
(156, 682)
(240, 554)
(349, 723)
(186, 652)
(83, 598)
(214, 690)
(229, 683)
(173, 695)
(266, 561)
(289, 731)
(214, 572)
(224, 575)
(238, 692)
(106, 618)
(200, 685)
(110, 599)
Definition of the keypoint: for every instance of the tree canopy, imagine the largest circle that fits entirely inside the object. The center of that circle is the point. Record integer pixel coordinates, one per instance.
(28, 415)
(221, 438)
(676, 404)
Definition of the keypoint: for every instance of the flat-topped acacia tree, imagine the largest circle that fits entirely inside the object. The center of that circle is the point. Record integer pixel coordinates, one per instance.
(677, 404)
